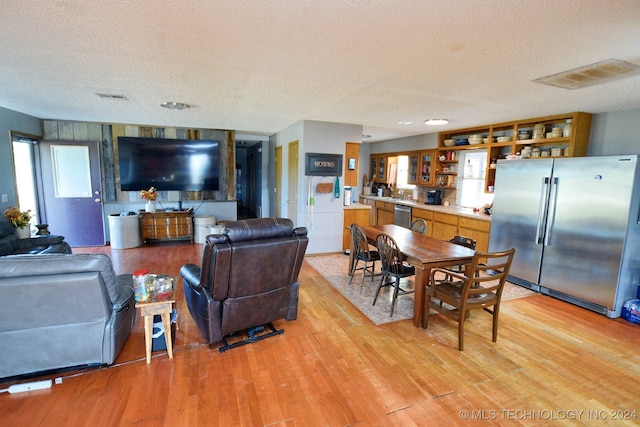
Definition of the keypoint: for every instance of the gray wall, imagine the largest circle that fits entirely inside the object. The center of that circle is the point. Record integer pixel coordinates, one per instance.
(22, 124)
(616, 133)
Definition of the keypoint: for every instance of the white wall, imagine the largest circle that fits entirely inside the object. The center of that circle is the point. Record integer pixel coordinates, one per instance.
(325, 218)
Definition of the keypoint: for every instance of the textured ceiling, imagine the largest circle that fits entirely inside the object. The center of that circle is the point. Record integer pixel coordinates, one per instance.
(261, 66)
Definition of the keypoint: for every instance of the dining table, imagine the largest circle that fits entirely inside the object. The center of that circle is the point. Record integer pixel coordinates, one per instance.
(424, 253)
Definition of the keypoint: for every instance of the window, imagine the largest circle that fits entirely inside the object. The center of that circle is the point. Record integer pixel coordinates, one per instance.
(403, 173)
(471, 173)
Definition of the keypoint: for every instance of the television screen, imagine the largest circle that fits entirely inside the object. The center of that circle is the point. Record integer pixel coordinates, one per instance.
(168, 164)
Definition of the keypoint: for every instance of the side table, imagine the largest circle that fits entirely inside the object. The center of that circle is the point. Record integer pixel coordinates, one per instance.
(148, 310)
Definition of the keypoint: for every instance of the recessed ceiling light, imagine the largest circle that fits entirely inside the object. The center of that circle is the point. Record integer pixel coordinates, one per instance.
(436, 122)
(175, 105)
(405, 122)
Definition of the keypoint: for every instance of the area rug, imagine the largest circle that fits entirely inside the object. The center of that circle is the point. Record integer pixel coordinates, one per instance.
(334, 269)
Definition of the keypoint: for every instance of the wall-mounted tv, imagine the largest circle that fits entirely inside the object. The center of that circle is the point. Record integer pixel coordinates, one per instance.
(168, 164)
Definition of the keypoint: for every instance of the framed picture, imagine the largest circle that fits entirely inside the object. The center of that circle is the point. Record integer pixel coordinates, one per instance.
(318, 164)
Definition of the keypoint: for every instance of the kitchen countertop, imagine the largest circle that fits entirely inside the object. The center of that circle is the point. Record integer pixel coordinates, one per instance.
(455, 210)
(356, 205)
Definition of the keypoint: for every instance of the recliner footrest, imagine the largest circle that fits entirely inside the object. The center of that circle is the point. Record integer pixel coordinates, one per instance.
(252, 336)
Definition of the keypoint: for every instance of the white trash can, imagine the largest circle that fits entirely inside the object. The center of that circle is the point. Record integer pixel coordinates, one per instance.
(124, 231)
(202, 225)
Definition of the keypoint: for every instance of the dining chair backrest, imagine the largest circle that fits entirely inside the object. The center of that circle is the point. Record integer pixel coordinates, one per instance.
(419, 225)
(467, 242)
(390, 255)
(359, 243)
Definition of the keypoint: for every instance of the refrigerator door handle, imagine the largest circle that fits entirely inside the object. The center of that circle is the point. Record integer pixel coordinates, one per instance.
(542, 208)
(552, 211)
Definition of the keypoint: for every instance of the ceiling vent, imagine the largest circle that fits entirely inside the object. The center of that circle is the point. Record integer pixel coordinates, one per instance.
(111, 96)
(593, 74)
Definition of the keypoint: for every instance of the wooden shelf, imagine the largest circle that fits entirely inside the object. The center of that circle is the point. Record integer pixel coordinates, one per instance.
(574, 144)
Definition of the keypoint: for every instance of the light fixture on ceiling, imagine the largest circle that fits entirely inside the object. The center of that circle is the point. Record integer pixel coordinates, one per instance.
(436, 122)
(175, 105)
(405, 122)
(592, 74)
(365, 136)
(112, 96)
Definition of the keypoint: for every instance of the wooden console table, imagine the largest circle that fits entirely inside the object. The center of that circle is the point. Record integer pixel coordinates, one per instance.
(166, 225)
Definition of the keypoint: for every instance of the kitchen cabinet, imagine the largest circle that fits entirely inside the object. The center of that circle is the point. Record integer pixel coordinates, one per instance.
(475, 229)
(352, 152)
(379, 165)
(445, 226)
(511, 138)
(426, 167)
(414, 173)
(354, 214)
(372, 211)
(384, 212)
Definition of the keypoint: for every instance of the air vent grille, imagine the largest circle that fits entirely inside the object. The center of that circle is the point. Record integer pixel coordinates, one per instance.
(593, 74)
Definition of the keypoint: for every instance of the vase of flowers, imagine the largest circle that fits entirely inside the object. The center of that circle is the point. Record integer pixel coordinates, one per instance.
(20, 221)
(150, 195)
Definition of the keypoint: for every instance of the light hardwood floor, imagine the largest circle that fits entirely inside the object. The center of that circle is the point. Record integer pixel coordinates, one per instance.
(554, 364)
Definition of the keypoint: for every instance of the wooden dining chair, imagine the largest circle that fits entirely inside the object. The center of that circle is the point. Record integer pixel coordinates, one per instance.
(481, 288)
(419, 225)
(393, 268)
(467, 242)
(361, 252)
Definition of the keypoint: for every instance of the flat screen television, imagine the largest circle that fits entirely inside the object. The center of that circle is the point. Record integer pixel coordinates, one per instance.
(168, 164)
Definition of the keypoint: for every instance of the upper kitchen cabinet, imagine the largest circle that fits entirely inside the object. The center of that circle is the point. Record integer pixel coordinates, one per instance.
(413, 173)
(378, 163)
(352, 152)
(426, 166)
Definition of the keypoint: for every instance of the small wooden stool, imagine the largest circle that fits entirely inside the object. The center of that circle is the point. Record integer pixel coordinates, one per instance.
(148, 310)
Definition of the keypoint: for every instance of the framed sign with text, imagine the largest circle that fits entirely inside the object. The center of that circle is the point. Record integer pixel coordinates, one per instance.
(318, 164)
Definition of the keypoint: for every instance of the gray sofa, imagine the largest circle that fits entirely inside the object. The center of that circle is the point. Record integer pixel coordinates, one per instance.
(62, 310)
(11, 245)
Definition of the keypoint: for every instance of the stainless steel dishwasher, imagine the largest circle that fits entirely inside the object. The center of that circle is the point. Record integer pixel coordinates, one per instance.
(402, 215)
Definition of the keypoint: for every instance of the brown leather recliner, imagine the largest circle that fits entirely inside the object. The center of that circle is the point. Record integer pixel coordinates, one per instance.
(248, 279)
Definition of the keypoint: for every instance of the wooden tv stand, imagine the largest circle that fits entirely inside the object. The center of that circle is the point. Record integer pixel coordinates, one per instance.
(170, 225)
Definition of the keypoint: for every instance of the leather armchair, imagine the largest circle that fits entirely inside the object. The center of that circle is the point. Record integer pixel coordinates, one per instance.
(248, 278)
(62, 310)
(11, 245)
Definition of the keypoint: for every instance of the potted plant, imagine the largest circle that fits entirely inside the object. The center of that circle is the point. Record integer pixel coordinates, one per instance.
(20, 221)
(150, 195)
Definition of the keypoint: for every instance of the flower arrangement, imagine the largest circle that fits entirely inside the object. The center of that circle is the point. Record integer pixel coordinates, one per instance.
(17, 218)
(150, 195)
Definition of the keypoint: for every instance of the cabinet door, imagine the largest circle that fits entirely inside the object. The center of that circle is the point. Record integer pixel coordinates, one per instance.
(426, 167)
(382, 169)
(373, 163)
(445, 226)
(443, 231)
(351, 173)
(414, 169)
(384, 217)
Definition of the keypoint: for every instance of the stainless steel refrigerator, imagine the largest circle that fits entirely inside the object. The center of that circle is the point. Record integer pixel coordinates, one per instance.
(575, 224)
